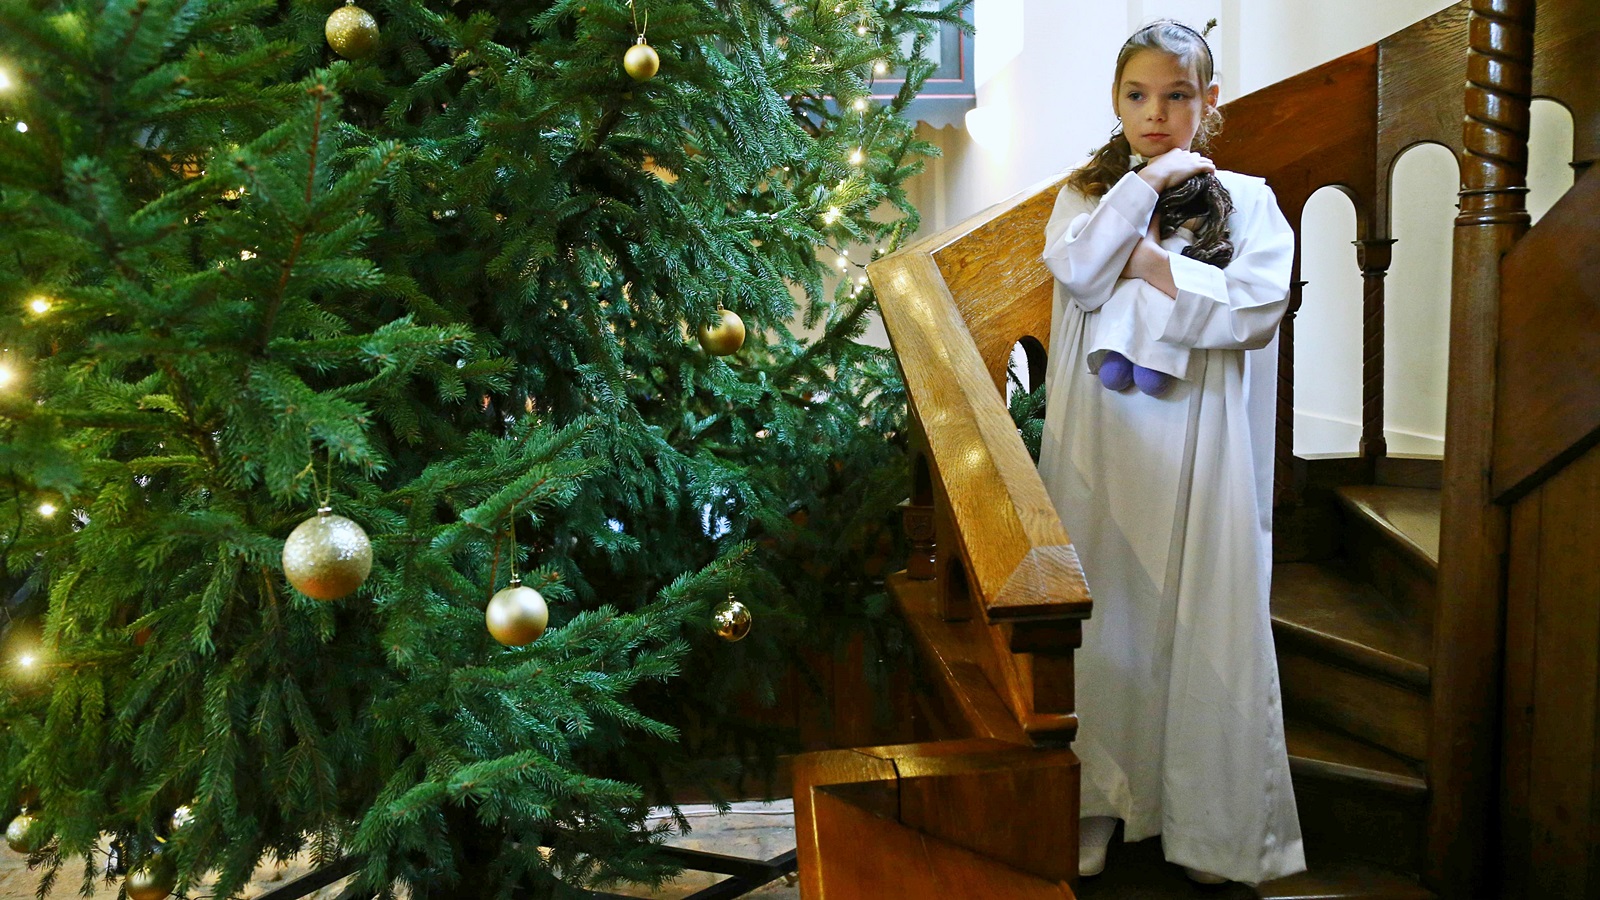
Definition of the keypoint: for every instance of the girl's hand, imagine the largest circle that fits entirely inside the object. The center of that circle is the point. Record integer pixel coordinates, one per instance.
(1175, 167)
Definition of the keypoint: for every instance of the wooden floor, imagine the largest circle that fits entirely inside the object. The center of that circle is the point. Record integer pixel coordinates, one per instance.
(1139, 872)
(751, 830)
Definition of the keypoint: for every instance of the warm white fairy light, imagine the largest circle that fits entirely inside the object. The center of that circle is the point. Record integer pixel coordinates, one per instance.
(7, 375)
(861, 30)
(246, 254)
(47, 509)
(857, 157)
(862, 280)
(5, 80)
(832, 215)
(26, 660)
(881, 67)
(22, 127)
(860, 105)
(40, 305)
(843, 262)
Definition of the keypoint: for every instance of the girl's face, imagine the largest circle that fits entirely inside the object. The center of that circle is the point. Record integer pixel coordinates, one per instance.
(1160, 102)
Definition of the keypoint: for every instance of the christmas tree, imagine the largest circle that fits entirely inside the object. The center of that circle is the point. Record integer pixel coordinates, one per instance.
(462, 275)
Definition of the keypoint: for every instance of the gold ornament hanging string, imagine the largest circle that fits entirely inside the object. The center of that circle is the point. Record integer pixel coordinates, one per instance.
(634, 12)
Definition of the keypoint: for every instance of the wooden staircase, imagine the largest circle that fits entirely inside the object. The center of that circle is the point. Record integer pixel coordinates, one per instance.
(1352, 628)
(1388, 599)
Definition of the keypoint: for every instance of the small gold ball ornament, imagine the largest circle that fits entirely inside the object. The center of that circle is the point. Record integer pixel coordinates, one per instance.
(327, 557)
(152, 881)
(517, 615)
(731, 619)
(725, 337)
(352, 31)
(641, 61)
(19, 834)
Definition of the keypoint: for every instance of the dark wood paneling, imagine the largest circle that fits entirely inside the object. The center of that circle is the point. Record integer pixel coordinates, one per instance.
(1552, 753)
(1548, 403)
(1564, 67)
(1419, 94)
(1332, 113)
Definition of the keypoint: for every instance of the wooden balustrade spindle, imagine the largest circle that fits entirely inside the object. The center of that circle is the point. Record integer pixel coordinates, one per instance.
(1374, 256)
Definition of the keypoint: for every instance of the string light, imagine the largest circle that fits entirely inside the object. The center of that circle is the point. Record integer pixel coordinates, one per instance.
(861, 30)
(47, 509)
(40, 305)
(246, 254)
(844, 262)
(5, 80)
(6, 375)
(22, 127)
(857, 157)
(832, 215)
(862, 280)
(881, 67)
(860, 105)
(26, 660)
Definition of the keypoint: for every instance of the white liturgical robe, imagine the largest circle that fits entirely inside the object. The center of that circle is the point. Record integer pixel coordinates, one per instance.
(1169, 503)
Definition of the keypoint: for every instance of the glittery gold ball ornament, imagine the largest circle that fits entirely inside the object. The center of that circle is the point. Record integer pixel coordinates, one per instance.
(732, 620)
(725, 337)
(352, 32)
(152, 881)
(327, 557)
(517, 615)
(641, 61)
(19, 834)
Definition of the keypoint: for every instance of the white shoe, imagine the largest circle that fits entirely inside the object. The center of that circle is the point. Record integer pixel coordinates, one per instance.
(1094, 836)
(1199, 877)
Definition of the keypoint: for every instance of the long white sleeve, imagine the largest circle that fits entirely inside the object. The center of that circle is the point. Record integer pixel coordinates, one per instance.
(1087, 245)
(1237, 308)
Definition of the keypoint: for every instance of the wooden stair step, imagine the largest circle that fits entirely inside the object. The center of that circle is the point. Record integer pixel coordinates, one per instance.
(1320, 608)
(1324, 754)
(1408, 516)
(869, 857)
(1345, 881)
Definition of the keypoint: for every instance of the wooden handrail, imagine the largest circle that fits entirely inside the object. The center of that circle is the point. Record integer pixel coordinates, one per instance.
(1019, 561)
(984, 530)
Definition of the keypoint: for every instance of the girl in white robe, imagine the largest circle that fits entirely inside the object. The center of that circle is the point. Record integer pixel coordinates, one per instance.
(1168, 500)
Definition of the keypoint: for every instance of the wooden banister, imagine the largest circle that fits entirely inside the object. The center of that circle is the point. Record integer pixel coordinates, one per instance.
(954, 305)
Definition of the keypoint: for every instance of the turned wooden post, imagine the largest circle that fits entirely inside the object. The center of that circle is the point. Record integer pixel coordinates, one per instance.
(1468, 632)
(1374, 256)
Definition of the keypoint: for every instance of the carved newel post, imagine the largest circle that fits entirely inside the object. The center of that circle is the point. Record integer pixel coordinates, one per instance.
(1468, 632)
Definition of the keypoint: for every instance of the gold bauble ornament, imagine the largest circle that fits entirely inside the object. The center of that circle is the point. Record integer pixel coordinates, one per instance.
(352, 32)
(152, 881)
(725, 337)
(641, 61)
(327, 557)
(181, 816)
(19, 836)
(732, 620)
(517, 615)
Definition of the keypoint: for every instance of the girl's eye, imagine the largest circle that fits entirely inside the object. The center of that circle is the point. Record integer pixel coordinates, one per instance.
(1179, 95)
(1135, 95)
